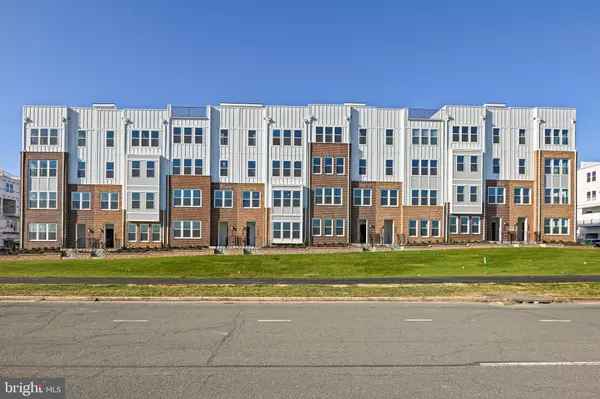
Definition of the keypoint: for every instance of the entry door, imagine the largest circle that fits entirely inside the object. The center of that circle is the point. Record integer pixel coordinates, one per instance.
(388, 231)
(223, 226)
(81, 239)
(362, 231)
(522, 227)
(109, 236)
(251, 234)
(494, 236)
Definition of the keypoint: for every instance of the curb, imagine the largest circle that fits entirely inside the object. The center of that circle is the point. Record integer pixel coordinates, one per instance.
(478, 299)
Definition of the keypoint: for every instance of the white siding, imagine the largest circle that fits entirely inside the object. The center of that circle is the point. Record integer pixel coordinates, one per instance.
(45, 117)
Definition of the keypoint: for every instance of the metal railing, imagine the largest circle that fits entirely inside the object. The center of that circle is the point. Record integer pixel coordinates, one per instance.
(188, 112)
(588, 222)
(421, 113)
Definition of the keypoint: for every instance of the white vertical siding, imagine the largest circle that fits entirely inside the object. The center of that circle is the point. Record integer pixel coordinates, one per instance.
(192, 150)
(330, 115)
(42, 117)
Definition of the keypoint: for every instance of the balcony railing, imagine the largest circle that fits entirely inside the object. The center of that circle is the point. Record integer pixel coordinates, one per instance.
(421, 113)
(188, 112)
(589, 222)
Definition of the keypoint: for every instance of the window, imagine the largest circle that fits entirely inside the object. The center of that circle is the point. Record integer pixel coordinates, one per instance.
(277, 137)
(80, 201)
(187, 198)
(298, 168)
(316, 165)
(42, 232)
(149, 200)
(362, 136)
(144, 232)
(316, 227)
(433, 167)
(522, 136)
(296, 199)
(388, 197)
(556, 166)
(496, 165)
(594, 176)
(564, 198)
(424, 228)
(33, 169)
(415, 167)
(433, 197)
(548, 136)
(224, 137)
(187, 166)
(460, 193)
(287, 137)
(287, 168)
(328, 168)
(474, 163)
(453, 225)
(328, 196)
(276, 168)
(424, 167)
(495, 135)
(565, 137)
(187, 135)
(435, 228)
(556, 226)
(223, 199)
(149, 168)
(415, 136)
(251, 168)
(362, 197)
(154, 138)
(412, 228)
(464, 225)
(389, 137)
(362, 167)
(424, 136)
(339, 227)
(455, 134)
(460, 163)
(34, 137)
(110, 138)
(109, 201)
(135, 168)
(81, 138)
(588, 177)
(521, 196)
(176, 166)
(224, 170)
(389, 167)
(145, 138)
(328, 134)
(81, 169)
(53, 136)
(495, 195)
(251, 199)
(135, 200)
(176, 135)
(474, 190)
(198, 167)
(328, 227)
(338, 134)
(475, 223)
(464, 130)
(298, 139)
(433, 136)
(521, 166)
(187, 229)
(414, 197)
(473, 134)
(556, 136)
(156, 233)
(565, 166)
(339, 166)
(424, 197)
(135, 138)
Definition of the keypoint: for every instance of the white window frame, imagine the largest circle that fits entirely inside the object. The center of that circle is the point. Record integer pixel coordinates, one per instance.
(426, 228)
(451, 229)
(251, 200)
(329, 221)
(318, 165)
(223, 199)
(435, 228)
(48, 228)
(312, 229)
(109, 201)
(495, 195)
(179, 229)
(473, 218)
(182, 197)
(416, 228)
(362, 170)
(559, 224)
(461, 225)
(362, 197)
(335, 227)
(80, 200)
(521, 196)
(387, 198)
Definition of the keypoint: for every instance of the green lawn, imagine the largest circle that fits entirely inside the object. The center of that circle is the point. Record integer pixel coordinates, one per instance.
(309, 290)
(455, 262)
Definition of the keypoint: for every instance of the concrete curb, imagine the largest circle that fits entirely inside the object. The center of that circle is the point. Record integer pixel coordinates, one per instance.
(477, 299)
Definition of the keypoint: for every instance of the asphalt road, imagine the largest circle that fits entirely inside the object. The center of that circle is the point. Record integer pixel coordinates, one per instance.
(295, 350)
(330, 281)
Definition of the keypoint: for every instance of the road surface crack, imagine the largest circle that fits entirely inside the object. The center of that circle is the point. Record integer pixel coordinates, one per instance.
(226, 338)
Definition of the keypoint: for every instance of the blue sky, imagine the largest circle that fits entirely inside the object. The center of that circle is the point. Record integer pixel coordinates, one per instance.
(389, 54)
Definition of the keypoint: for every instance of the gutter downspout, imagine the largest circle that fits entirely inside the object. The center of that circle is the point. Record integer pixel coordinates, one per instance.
(446, 210)
(65, 182)
(22, 185)
(267, 240)
(349, 172)
(167, 219)
(309, 121)
(123, 198)
(574, 174)
(540, 176)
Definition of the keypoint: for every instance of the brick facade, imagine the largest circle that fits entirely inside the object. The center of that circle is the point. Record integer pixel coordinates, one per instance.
(335, 150)
(237, 217)
(43, 215)
(510, 213)
(419, 213)
(202, 213)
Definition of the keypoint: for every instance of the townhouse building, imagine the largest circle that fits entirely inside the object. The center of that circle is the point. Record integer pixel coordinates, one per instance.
(10, 209)
(588, 201)
(254, 175)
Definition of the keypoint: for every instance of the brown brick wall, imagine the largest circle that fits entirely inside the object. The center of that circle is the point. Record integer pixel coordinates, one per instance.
(422, 213)
(202, 213)
(94, 218)
(42, 215)
(376, 214)
(509, 211)
(237, 217)
(552, 210)
(335, 150)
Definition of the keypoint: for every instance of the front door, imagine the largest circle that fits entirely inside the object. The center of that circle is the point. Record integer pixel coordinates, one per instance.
(521, 229)
(388, 232)
(223, 226)
(109, 236)
(493, 231)
(251, 234)
(80, 238)
(362, 231)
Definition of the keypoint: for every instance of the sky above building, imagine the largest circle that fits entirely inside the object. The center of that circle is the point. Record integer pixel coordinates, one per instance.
(147, 54)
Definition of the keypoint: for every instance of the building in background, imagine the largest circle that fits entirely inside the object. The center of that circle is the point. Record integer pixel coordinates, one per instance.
(10, 209)
(254, 175)
(588, 201)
